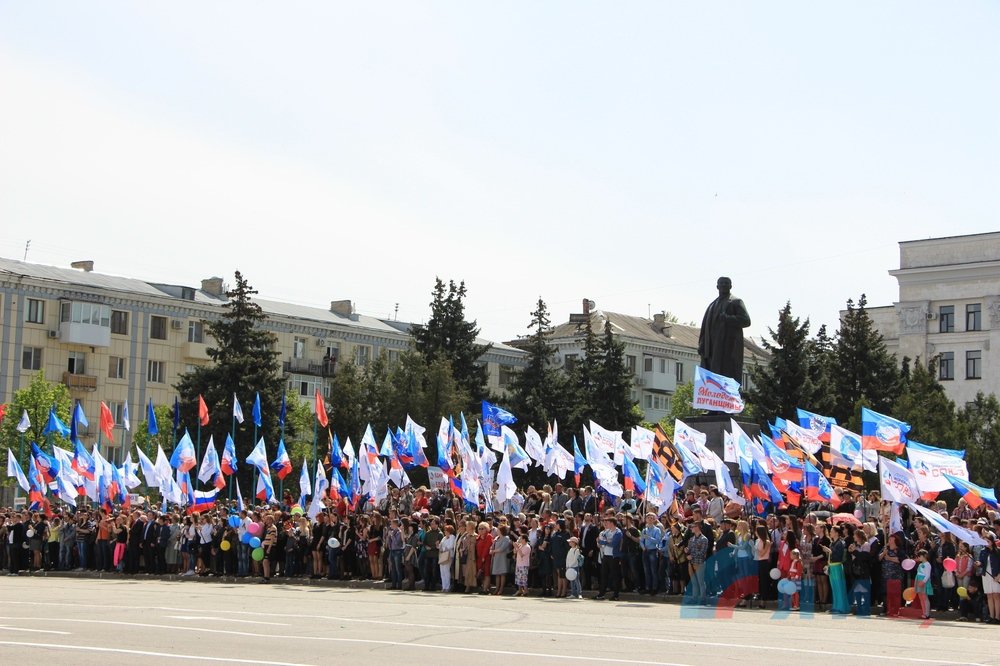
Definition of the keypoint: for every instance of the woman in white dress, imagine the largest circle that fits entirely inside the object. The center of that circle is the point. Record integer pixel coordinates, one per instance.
(446, 554)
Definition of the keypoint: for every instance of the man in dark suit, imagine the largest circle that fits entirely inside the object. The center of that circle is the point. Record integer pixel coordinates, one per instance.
(162, 540)
(16, 543)
(133, 548)
(588, 544)
(150, 534)
(589, 500)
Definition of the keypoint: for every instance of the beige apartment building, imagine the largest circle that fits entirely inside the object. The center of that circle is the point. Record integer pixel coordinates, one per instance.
(118, 339)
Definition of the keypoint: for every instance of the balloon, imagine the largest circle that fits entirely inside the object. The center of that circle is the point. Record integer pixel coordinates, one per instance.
(775, 573)
(333, 543)
(246, 537)
(225, 545)
(234, 521)
(786, 586)
(908, 564)
(30, 533)
(254, 529)
(950, 564)
(571, 574)
(254, 542)
(909, 594)
(962, 592)
(257, 554)
(296, 510)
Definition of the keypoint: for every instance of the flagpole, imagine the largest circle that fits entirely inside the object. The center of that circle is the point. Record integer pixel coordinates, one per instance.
(20, 457)
(233, 437)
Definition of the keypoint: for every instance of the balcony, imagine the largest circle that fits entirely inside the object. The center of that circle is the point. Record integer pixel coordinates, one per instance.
(657, 381)
(302, 366)
(80, 382)
(196, 350)
(84, 334)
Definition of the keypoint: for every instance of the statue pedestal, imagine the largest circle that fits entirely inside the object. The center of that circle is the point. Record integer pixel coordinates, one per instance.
(715, 426)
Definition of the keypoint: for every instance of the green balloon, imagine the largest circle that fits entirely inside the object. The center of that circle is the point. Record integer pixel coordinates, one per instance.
(257, 554)
(296, 510)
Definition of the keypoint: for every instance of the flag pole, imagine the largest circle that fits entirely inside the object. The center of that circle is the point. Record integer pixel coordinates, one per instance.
(233, 437)
(20, 457)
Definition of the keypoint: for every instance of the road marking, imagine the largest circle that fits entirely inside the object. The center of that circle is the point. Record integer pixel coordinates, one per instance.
(570, 634)
(37, 631)
(146, 653)
(225, 619)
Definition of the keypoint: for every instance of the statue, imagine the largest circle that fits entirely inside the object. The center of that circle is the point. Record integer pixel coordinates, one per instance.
(720, 343)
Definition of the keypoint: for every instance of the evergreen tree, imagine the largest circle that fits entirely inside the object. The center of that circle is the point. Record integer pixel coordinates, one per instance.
(583, 381)
(866, 373)
(539, 392)
(680, 407)
(447, 335)
(347, 398)
(786, 381)
(925, 406)
(821, 372)
(979, 432)
(244, 363)
(612, 403)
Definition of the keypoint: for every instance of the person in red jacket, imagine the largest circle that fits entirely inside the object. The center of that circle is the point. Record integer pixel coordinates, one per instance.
(484, 543)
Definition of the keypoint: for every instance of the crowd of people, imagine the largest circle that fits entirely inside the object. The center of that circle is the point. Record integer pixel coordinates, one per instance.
(551, 541)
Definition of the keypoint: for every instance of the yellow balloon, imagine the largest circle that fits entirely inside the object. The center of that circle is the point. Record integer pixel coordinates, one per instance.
(962, 593)
(909, 594)
(225, 545)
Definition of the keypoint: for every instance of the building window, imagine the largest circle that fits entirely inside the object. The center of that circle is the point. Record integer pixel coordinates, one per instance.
(116, 367)
(974, 364)
(506, 375)
(391, 355)
(946, 366)
(196, 331)
(116, 412)
(362, 354)
(77, 363)
(299, 348)
(158, 328)
(649, 401)
(571, 360)
(119, 322)
(307, 387)
(31, 358)
(647, 364)
(35, 312)
(94, 314)
(973, 317)
(663, 366)
(630, 364)
(679, 372)
(946, 319)
(157, 372)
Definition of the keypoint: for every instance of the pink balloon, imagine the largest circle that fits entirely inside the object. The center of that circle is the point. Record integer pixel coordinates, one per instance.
(254, 529)
(908, 564)
(950, 564)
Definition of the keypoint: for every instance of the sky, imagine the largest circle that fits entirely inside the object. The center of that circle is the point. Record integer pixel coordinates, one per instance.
(629, 153)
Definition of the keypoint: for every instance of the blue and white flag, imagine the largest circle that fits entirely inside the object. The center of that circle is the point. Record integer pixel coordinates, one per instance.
(931, 464)
(237, 409)
(256, 410)
(716, 393)
(845, 448)
(494, 418)
(25, 423)
(126, 423)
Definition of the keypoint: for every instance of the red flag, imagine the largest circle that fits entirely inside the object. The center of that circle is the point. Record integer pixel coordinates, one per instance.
(3, 411)
(202, 411)
(107, 422)
(321, 410)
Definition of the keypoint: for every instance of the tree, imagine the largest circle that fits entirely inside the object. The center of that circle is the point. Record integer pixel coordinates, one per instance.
(611, 401)
(148, 443)
(539, 392)
(583, 382)
(925, 406)
(244, 363)
(37, 398)
(786, 381)
(347, 398)
(865, 371)
(449, 336)
(680, 407)
(979, 431)
(821, 372)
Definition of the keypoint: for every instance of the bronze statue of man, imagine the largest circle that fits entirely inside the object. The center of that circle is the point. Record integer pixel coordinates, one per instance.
(720, 344)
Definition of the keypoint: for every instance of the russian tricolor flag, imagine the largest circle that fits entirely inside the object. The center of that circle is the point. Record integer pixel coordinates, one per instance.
(282, 464)
(975, 495)
(203, 501)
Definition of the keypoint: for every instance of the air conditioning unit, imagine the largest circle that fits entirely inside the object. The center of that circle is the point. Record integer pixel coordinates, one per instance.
(176, 324)
(53, 334)
(932, 315)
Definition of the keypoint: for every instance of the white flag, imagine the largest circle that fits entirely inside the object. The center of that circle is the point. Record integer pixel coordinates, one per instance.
(25, 423)
(505, 481)
(14, 469)
(897, 483)
(125, 418)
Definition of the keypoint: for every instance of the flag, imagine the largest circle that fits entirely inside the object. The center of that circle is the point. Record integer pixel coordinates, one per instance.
(24, 423)
(305, 486)
(14, 470)
(942, 524)
(151, 427)
(54, 425)
(163, 469)
(665, 452)
(335, 455)
(641, 441)
(533, 445)
(107, 421)
(807, 440)
(845, 448)
(229, 463)
(256, 410)
(237, 409)
(183, 458)
(817, 487)
(83, 464)
(47, 466)
(724, 482)
(633, 480)
(897, 483)
(320, 407)
(79, 416)
(579, 462)
(882, 433)
(518, 456)
(761, 486)
(239, 497)
(975, 496)
(668, 489)
(202, 411)
(148, 469)
(505, 480)
(931, 464)
(202, 500)
(282, 464)
(284, 411)
(355, 483)
(258, 457)
(494, 418)
(265, 488)
(129, 469)
(716, 393)
(783, 466)
(817, 424)
(126, 423)
(605, 440)
(210, 469)
(596, 457)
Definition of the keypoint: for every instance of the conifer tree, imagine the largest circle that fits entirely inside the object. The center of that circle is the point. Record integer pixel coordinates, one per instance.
(786, 380)
(865, 372)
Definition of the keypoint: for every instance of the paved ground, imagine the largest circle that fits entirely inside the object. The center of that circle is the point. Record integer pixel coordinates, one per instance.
(87, 621)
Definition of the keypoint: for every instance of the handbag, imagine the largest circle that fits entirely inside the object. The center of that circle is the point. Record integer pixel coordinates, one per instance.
(444, 557)
(948, 579)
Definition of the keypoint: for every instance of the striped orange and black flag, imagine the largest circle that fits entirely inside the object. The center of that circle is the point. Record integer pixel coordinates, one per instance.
(840, 477)
(665, 452)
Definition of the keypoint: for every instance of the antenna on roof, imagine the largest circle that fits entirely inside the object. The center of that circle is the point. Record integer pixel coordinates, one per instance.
(395, 313)
(26, 246)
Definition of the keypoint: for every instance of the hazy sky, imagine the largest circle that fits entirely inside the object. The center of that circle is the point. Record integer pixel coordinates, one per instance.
(625, 152)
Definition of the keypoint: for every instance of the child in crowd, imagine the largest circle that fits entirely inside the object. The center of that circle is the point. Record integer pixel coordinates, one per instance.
(795, 575)
(574, 562)
(922, 584)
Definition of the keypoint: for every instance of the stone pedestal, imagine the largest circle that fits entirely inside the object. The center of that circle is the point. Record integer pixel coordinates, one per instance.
(715, 426)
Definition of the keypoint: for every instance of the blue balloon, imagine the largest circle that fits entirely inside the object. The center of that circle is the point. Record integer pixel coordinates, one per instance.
(246, 537)
(255, 542)
(234, 521)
